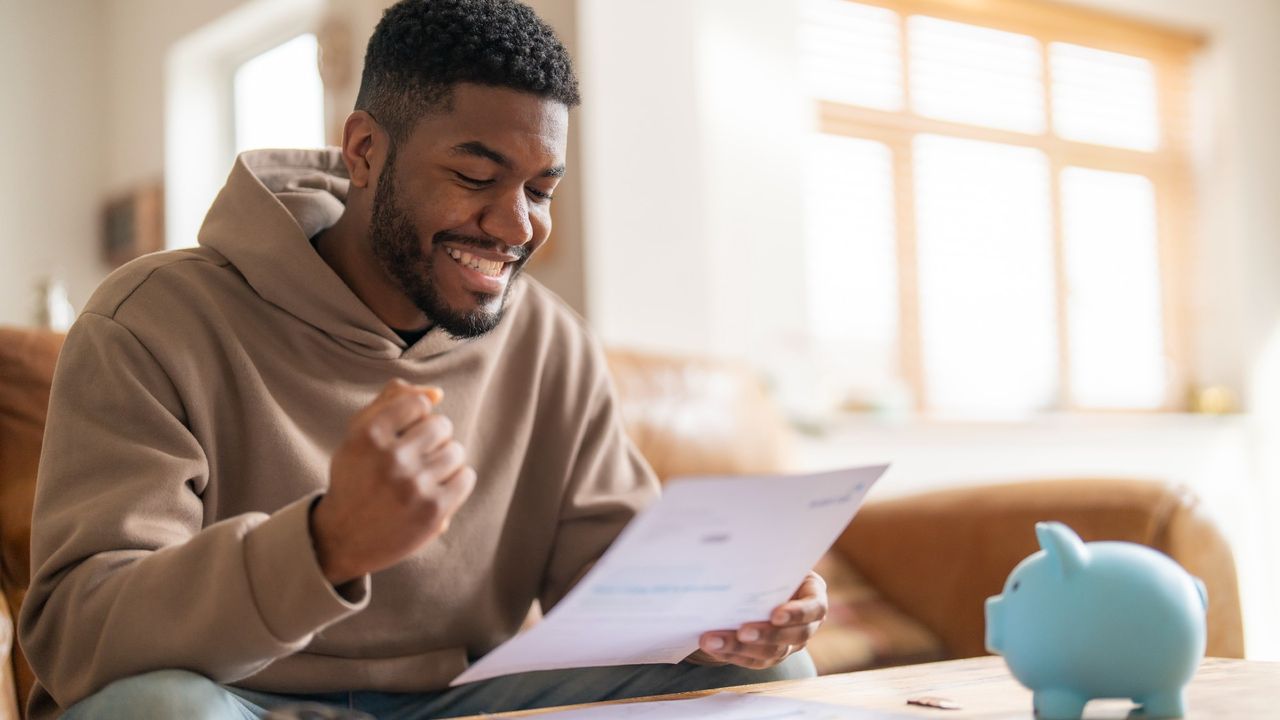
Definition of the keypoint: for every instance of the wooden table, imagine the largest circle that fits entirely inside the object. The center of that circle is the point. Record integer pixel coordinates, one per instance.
(1221, 690)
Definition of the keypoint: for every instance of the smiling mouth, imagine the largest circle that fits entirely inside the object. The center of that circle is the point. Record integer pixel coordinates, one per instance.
(490, 268)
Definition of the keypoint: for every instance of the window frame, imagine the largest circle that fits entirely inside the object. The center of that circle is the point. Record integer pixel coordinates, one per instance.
(1168, 167)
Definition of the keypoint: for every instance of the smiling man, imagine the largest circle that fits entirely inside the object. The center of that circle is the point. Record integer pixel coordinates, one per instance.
(336, 452)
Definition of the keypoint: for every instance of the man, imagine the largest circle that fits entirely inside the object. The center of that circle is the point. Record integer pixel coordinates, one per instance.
(334, 453)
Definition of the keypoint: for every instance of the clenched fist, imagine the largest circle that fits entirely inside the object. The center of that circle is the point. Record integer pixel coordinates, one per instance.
(394, 483)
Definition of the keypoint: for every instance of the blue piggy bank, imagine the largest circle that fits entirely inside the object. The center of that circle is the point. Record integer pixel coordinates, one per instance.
(1080, 621)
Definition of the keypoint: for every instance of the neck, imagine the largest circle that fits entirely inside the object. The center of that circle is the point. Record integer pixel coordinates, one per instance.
(347, 249)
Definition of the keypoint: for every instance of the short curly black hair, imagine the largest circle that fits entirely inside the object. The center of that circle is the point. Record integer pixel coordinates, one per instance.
(422, 48)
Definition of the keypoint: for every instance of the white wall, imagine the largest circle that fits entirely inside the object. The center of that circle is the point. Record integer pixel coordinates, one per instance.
(643, 214)
(138, 36)
(51, 139)
(691, 129)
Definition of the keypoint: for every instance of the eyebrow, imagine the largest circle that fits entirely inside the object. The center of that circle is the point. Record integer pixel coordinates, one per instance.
(476, 148)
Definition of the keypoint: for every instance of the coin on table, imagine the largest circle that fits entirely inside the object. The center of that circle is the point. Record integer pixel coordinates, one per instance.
(934, 702)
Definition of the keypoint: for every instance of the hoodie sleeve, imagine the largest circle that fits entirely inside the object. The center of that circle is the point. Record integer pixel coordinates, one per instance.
(126, 578)
(608, 482)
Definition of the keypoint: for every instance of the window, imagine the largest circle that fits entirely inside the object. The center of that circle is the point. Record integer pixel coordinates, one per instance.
(246, 79)
(997, 198)
(279, 98)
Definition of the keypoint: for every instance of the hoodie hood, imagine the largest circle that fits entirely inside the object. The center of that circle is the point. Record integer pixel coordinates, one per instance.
(262, 222)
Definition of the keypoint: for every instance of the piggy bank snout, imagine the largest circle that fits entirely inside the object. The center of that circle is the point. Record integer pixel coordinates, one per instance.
(995, 624)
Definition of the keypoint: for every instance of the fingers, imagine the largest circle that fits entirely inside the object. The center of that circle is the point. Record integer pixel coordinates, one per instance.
(396, 409)
(759, 641)
(450, 494)
(768, 634)
(724, 646)
(396, 386)
(440, 465)
(799, 612)
(807, 605)
(427, 435)
(394, 392)
(457, 487)
(761, 645)
(386, 421)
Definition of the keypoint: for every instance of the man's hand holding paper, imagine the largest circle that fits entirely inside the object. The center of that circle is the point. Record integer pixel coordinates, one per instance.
(760, 645)
(693, 567)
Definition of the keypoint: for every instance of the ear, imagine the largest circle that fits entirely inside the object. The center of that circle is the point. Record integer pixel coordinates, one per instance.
(1063, 547)
(364, 148)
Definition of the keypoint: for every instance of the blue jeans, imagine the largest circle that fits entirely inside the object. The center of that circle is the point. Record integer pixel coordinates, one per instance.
(167, 694)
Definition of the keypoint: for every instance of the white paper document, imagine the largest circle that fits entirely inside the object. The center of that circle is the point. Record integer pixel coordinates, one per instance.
(710, 554)
(723, 706)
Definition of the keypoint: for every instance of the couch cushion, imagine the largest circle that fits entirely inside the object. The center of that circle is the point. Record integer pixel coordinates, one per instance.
(27, 358)
(864, 630)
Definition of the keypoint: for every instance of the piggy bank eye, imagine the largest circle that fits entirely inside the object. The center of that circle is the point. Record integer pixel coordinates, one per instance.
(1016, 584)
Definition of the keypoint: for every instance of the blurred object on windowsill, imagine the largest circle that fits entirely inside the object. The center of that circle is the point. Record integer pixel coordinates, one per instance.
(53, 308)
(891, 401)
(1212, 400)
(814, 407)
(839, 424)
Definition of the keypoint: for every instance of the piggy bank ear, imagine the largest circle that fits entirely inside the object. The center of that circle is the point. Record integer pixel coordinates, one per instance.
(1063, 546)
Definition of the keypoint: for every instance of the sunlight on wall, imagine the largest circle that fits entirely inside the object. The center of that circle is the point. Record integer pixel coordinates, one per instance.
(1262, 585)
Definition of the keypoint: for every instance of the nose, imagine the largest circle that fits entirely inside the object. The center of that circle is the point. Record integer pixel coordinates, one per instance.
(507, 219)
(995, 634)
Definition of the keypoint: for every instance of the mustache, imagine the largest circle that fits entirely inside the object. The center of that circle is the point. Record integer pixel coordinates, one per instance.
(520, 251)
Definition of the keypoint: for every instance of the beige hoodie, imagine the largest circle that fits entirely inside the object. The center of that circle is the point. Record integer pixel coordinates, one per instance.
(194, 410)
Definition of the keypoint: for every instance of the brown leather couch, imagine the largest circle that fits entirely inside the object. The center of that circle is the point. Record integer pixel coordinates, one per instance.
(929, 560)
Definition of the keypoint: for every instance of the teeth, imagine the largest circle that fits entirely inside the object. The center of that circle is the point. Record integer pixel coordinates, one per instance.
(492, 268)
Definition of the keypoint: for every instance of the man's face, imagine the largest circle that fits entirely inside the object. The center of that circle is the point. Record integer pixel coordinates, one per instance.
(462, 204)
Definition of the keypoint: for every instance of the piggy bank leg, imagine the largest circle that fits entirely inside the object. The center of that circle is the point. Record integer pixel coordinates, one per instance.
(1168, 704)
(1059, 705)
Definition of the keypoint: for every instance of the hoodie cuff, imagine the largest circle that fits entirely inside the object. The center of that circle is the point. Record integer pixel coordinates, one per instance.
(291, 592)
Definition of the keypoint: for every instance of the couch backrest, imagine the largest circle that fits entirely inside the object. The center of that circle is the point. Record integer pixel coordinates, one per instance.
(698, 416)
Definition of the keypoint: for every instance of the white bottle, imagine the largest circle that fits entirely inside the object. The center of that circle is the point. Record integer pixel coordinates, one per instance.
(53, 308)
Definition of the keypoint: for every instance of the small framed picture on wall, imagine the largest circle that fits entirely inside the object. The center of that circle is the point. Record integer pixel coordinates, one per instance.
(133, 224)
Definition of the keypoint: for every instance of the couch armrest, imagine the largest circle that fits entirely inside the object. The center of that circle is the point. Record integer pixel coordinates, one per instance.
(939, 555)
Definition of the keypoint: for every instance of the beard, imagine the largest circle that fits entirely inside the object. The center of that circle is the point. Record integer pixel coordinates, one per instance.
(398, 247)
